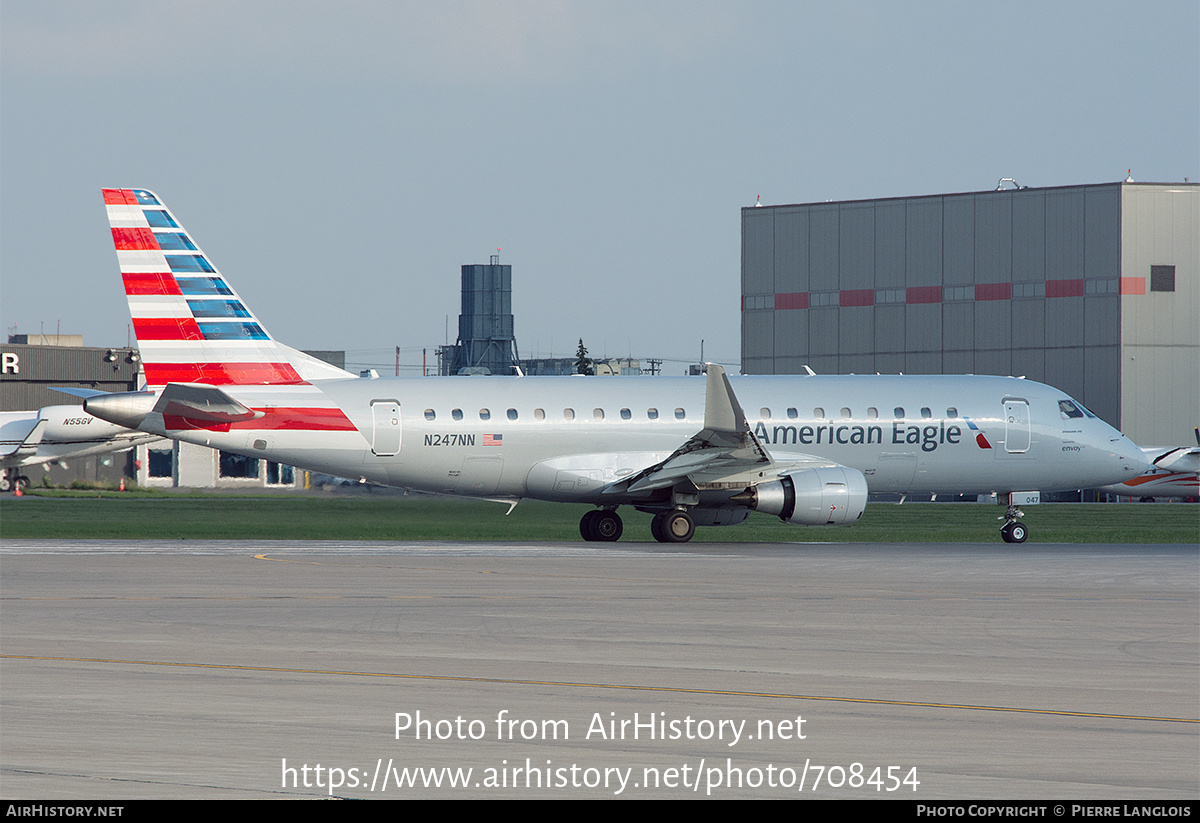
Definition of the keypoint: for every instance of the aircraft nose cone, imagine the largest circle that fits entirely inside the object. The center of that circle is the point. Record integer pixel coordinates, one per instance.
(1134, 459)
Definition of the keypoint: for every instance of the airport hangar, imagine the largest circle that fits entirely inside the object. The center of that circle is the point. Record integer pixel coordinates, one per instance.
(1093, 289)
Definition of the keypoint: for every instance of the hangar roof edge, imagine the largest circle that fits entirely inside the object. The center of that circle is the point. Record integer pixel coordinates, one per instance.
(1188, 185)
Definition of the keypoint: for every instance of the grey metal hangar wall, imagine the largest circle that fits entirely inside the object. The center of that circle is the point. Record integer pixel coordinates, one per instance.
(1092, 289)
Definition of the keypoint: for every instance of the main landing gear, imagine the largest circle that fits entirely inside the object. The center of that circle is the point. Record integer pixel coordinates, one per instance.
(604, 526)
(1013, 531)
(676, 526)
(11, 480)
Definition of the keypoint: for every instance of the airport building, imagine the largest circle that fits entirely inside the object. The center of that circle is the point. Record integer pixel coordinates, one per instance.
(1093, 289)
(31, 364)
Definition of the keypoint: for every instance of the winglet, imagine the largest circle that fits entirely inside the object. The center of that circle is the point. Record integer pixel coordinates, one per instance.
(29, 445)
(722, 411)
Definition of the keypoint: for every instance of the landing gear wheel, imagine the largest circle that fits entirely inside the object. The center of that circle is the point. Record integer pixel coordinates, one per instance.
(22, 482)
(585, 525)
(6, 482)
(1014, 532)
(656, 527)
(603, 525)
(606, 526)
(673, 527)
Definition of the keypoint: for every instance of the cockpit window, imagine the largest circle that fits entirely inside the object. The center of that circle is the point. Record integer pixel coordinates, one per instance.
(1068, 409)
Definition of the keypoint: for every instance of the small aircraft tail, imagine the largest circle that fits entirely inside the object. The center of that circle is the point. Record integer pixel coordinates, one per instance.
(190, 325)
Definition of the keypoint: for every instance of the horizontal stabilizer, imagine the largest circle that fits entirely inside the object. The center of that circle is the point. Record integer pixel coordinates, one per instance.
(77, 392)
(201, 404)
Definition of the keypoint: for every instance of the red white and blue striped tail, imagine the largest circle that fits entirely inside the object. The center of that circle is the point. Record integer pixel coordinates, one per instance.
(191, 326)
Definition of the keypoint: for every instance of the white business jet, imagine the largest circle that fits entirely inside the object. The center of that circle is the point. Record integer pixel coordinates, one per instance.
(684, 450)
(57, 433)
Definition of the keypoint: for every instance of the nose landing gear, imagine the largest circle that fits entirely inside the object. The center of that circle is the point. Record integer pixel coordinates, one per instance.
(1013, 531)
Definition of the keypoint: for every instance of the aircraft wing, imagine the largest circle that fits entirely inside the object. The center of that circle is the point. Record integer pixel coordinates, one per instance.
(16, 451)
(724, 447)
(725, 453)
(1186, 459)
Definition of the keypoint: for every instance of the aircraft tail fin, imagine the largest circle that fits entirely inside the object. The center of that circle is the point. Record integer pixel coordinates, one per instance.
(191, 326)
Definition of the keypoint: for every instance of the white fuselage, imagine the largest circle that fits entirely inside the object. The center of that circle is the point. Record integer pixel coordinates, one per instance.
(565, 438)
(68, 432)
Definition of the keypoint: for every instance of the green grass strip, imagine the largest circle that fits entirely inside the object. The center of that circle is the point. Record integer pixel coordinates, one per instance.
(218, 516)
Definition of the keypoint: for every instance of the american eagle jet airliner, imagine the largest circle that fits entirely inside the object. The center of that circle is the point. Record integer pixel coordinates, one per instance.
(682, 449)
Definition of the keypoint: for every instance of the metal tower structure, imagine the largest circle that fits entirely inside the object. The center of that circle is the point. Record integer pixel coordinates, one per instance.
(486, 344)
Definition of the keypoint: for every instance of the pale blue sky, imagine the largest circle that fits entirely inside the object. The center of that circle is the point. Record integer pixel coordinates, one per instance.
(340, 162)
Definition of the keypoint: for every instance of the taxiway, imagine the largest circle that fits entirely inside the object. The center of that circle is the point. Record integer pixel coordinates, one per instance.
(166, 669)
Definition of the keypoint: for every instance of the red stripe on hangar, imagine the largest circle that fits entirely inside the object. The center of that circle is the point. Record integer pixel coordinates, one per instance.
(135, 239)
(1064, 288)
(301, 419)
(222, 374)
(923, 294)
(150, 283)
(791, 300)
(856, 297)
(993, 291)
(166, 328)
(119, 197)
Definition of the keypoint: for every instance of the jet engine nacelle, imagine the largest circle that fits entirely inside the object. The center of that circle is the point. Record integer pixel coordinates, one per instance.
(814, 497)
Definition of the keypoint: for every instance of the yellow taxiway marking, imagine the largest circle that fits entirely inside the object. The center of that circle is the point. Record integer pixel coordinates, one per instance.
(617, 686)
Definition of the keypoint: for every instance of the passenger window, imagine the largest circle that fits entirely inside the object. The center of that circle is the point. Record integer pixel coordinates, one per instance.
(568, 414)
(846, 413)
(818, 412)
(952, 412)
(764, 413)
(512, 414)
(872, 413)
(484, 414)
(456, 414)
(792, 413)
(898, 413)
(680, 414)
(598, 414)
(539, 414)
(926, 414)
(429, 414)
(626, 414)
(652, 414)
